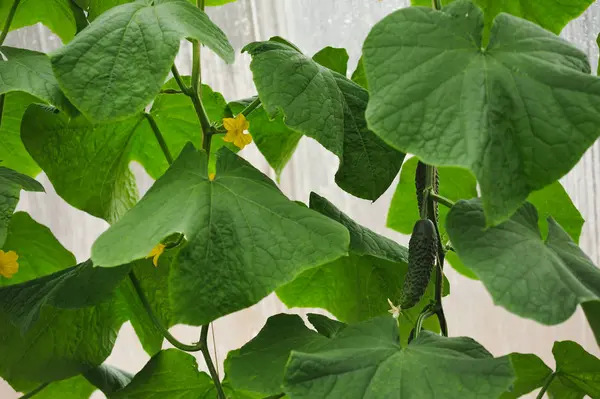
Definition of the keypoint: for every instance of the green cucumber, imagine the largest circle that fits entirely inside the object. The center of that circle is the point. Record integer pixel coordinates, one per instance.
(422, 254)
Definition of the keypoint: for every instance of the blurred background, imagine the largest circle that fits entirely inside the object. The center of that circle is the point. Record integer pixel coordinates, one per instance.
(312, 25)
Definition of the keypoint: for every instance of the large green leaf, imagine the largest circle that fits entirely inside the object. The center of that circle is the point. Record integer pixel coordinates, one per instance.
(366, 361)
(108, 379)
(244, 238)
(31, 72)
(531, 373)
(549, 14)
(271, 349)
(171, 374)
(518, 113)
(576, 370)
(55, 14)
(273, 138)
(328, 107)
(523, 273)
(457, 184)
(178, 122)
(72, 388)
(12, 151)
(87, 164)
(357, 287)
(39, 252)
(61, 343)
(95, 70)
(11, 184)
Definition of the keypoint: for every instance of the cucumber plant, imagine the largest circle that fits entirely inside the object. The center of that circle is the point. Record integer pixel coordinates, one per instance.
(493, 107)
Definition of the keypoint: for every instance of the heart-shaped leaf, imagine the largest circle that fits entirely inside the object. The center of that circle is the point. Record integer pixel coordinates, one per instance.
(95, 70)
(328, 107)
(518, 113)
(244, 238)
(366, 361)
(522, 272)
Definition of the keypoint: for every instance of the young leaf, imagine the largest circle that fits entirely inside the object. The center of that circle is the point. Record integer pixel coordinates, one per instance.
(273, 138)
(108, 379)
(366, 361)
(357, 287)
(11, 184)
(12, 151)
(61, 343)
(576, 370)
(87, 164)
(333, 58)
(549, 14)
(437, 93)
(178, 122)
(328, 107)
(244, 237)
(57, 15)
(523, 273)
(271, 349)
(95, 70)
(30, 72)
(531, 373)
(171, 374)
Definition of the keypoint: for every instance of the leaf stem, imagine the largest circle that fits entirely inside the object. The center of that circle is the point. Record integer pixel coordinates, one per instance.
(179, 345)
(209, 362)
(9, 18)
(185, 90)
(436, 4)
(547, 383)
(428, 312)
(279, 395)
(159, 137)
(35, 391)
(441, 199)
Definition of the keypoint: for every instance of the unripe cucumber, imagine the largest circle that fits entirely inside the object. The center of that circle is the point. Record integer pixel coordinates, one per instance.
(422, 251)
(420, 186)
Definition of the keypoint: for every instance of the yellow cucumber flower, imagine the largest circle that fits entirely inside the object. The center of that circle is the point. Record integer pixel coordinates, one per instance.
(235, 131)
(8, 263)
(156, 253)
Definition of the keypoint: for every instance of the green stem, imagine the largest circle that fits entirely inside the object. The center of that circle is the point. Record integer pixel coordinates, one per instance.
(279, 395)
(422, 317)
(179, 345)
(209, 362)
(442, 200)
(546, 385)
(9, 18)
(179, 80)
(436, 4)
(35, 391)
(159, 138)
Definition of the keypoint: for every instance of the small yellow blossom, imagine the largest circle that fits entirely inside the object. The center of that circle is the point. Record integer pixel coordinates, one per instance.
(211, 176)
(8, 263)
(156, 253)
(395, 310)
(235, 131)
